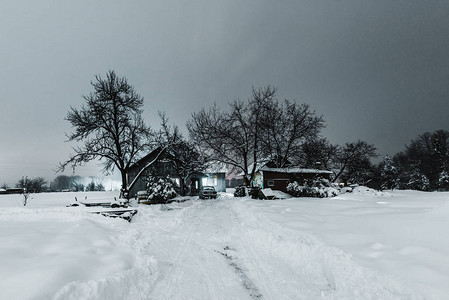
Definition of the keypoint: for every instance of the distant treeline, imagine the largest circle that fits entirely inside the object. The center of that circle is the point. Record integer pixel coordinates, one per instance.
(423, 165)
(61, 183)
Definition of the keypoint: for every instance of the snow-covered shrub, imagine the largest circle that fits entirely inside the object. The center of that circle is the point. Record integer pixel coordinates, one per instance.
(418, 182)
(443, 181)
(240, 191)
(319, 187)
(254, 192)
(160, 189)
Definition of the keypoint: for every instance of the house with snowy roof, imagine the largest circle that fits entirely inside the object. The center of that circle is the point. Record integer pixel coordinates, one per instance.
(268, 176)
(161, 165)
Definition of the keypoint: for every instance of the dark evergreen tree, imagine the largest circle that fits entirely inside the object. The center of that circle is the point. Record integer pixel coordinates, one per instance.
(425, 161)
(443, 181)
(389, 175)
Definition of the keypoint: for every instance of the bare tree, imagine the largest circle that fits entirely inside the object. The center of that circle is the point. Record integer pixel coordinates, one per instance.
(37, 185)
(185, 158)
(319, 150)
(34, 185)
(23, 183)
(111, 127)
(355, 160)
(286, 127)
(232, 137)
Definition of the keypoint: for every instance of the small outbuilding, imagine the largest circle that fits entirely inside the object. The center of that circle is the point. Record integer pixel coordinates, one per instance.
(279, 178)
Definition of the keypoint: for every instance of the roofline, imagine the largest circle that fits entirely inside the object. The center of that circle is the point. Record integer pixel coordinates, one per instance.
(295, 170)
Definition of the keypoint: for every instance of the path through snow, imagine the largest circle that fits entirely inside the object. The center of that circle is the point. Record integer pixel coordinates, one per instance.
(357, 246)
(221, 249)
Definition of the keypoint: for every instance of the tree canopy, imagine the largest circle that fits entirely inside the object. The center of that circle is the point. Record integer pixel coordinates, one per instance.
(109, 126)
(260, 129)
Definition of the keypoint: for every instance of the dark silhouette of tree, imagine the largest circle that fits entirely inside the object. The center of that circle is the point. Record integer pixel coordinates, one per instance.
(94, 186)
(319, 151)
(233, 137)
(258, 129)
(389, 174)
(34, 185)
(61, 182)
(425, 162)
(111, 127)
(354, 162)
(184, 157)
(37, 185)
(76, 183)
(285, 127)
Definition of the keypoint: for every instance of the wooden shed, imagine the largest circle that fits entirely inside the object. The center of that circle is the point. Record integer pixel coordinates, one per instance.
(279, 178)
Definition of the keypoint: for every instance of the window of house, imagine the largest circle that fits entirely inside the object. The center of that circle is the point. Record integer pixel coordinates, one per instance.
(270, 182)
(215, 181)
(204, 181)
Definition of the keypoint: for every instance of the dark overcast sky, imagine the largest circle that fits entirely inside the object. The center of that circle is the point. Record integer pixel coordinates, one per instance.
(376, 70)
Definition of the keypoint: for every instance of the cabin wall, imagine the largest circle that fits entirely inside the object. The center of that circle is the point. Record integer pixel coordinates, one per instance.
(279, 181)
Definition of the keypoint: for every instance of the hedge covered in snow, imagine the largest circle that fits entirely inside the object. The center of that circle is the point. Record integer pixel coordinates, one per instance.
(319, 187)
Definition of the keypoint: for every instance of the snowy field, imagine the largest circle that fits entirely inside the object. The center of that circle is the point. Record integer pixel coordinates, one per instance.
(363, 245)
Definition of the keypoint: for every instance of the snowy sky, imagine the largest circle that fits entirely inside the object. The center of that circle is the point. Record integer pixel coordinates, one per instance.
(376, 70)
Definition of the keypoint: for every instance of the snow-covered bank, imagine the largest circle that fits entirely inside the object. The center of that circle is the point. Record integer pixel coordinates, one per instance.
(399, 235)
(47, 249)
(364, 245)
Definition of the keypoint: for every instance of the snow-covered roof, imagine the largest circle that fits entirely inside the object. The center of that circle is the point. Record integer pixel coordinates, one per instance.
(259, 166)
(216, 168)
(290, 170)
(295, 170)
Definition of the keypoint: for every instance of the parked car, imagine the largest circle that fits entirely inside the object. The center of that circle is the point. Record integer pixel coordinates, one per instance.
(207, 192)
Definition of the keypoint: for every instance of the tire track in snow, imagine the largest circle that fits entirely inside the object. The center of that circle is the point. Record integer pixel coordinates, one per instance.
(251, 256)
(167, 278)
(312, 269)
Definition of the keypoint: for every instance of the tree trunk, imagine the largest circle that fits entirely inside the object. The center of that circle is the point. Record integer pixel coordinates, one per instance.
(339, 173)
(182, 188)
(246, 180)
(124, 193)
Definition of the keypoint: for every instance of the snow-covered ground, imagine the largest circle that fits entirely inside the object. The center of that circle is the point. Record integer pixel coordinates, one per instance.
(363, 245)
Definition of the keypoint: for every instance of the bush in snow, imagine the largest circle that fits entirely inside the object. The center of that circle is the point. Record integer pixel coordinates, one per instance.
(443, 181)
(319, 187)
(160, 189)
(240, 191)
(418, 182)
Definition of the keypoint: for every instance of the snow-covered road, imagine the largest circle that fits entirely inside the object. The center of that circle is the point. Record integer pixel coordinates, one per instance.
(198, 255)
(218, 249)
